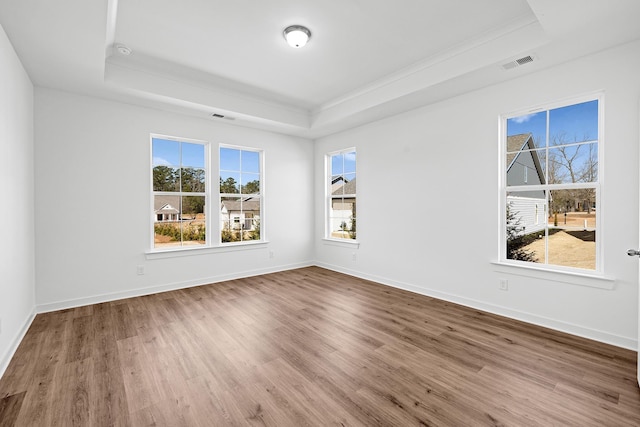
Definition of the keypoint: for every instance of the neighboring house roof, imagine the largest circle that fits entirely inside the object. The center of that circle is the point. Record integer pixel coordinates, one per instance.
(515, 145)
(336, 179)
(349, 187)
(237, 205)
(166, 204)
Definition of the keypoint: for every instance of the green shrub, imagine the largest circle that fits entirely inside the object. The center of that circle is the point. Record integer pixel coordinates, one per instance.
(189, 232)
(516, 241)
(229, 236)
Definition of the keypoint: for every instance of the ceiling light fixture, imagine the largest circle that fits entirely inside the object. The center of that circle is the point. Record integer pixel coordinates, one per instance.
(297, 35)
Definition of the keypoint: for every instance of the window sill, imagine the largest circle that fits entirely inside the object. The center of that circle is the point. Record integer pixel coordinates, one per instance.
(343, 243)
(574, 278)
(191, 251)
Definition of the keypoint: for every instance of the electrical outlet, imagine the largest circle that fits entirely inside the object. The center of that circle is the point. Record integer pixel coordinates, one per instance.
(140, 270)
(271, 254)
(504, 285)
(354, 257)
(0, 326)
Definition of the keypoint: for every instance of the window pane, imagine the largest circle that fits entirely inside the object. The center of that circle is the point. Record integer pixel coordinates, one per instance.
(578, 204)
(350, 183)
(250, 183)
(229, 182)
(165, 152)
(337, 185)
(166, 178)
(521, 128)
(572, 228)
(574, 123)
(229, 210)
(166, 221)
(193, 180)
(573, 164)
(526, 167)
(229, 159)
(338, 217)
(342, 218)
(251, 218)
(192, 155)
(525, 227)
(193, 220)
(350, 162)
(240, 219)
(337, 164)
(250, 161)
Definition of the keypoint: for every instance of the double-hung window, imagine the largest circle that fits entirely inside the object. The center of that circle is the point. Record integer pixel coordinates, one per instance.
(550, 186)
(341, 190)
(180, 192)
(183, 215)
(240, 194)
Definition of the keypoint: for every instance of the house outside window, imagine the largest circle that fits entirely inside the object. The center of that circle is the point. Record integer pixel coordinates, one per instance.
(241, 195)
(551, 213)
(180, 192)
(341, 190)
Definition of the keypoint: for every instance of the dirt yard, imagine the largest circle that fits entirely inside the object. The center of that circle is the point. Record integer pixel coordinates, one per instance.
(568, 248)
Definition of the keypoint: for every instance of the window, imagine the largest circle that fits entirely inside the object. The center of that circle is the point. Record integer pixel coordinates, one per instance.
(240, 195)
(558, 148)
(341, 188)
(180, 192)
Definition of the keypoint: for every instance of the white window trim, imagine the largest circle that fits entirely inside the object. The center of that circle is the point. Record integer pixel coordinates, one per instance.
(572, 275)
(327, 200)
(191, 251)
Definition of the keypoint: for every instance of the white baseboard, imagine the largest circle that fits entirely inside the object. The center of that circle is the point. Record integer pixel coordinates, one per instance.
(97, 299)
(6, 358)
(568, 328)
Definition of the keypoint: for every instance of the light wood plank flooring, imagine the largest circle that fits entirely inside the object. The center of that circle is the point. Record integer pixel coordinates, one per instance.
(309, 347)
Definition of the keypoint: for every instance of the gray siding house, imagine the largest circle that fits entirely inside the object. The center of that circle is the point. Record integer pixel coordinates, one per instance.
(524, 168)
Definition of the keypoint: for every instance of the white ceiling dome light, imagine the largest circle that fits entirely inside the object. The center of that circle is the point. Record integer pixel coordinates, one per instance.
(297, 36)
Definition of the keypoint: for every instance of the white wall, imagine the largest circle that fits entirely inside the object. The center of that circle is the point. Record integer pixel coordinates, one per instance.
(440, 162)
(17, 273)
(93, 204)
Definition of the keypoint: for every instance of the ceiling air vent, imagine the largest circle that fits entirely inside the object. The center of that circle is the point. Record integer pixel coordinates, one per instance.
(221, 116)
(518, 62)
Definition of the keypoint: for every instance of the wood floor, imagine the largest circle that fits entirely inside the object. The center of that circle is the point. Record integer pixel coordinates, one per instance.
(309, 347)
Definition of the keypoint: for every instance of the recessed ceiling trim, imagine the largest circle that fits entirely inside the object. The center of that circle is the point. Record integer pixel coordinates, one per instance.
(528, 30)
(179, 91)
(447, 67)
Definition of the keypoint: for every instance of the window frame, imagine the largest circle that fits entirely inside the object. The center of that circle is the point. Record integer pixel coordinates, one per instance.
(211, 209)
(261, 162)
(597, 186)
(206, 194)
(328, 196)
